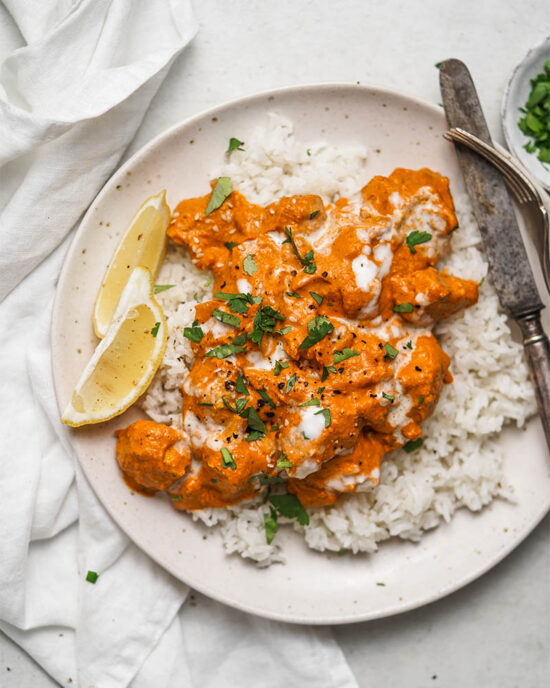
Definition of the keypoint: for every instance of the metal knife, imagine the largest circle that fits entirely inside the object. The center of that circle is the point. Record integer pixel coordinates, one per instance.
(510, 269)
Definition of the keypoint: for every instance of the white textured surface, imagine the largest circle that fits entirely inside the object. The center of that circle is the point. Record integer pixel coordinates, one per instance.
(496, 632)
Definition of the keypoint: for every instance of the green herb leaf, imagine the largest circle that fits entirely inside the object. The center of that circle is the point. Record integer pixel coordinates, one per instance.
(414, 238)
(225, 350)
(420, 399)
(240, 404)
(317, 328)
(158, 288)
(249, 265)
(230, 245)
(316, 297)
(271, 525)
(307, 261)
(265, 396)
(411, 445)
(226, 318)
(240, 387)
(438, 65)
(195, 334)
(288, 505)
(221, 191)
(326, 371)
(409, 344)
(314, 214)
(320, 390)
(283, 462)
(155, 329)
(256, 428)
(234, 144)
(204, 403)
(176, 498)
(311, 402)
(284, 330)
(390, 351)
(389, 397)
(92, 576)
(240, 339)
(326, 415)
(227, 459)
(290, 383)
(264, 322)
(343, 355)
(293, 294)
(403, 308)
(280, 365)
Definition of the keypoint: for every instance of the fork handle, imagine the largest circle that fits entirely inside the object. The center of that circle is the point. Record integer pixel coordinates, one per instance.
(537, 349)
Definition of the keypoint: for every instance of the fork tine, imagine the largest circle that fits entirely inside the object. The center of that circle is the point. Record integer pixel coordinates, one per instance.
(514, 183)
(526, 191)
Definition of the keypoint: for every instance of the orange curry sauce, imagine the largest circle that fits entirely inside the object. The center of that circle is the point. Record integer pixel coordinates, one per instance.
(326, 361)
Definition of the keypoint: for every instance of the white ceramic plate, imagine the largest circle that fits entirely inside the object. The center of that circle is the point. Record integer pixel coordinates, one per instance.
(311, 587)
(515, 96)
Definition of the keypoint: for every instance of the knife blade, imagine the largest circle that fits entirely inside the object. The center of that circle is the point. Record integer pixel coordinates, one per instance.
(508, 263)
(493, 210)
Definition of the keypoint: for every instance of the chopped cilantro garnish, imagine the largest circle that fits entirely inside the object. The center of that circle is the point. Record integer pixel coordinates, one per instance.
(240, 386)
(535, 122)
(411, 445)
(415, 237)
(317, 328)
(421, 400)
(284, 330)
(256, 428)
(227, 459)
(225, 350)
(307, 261)
(234, 144)
(204, 403)
(264, 322)
(288, 505)
(308, 151)
(240, 339)
(311, 402)
(409, 344)
(391, 352)
(316, 297)
(221, 191)
(383, 584)
(403, 308)
(314, 214)
(158, 288)
(437, 66)
(320, 390)
(290, 383)
(155, 329)
(343, 355)
(280, 365)
(283, 462)
(92, 576)
(240, 403)
(389, 397)
(249, 265)
(230, 245)
(271, 525)
(265, 396)
(326, 371)
(293, 294)
(326, 415)
(226, 318)
(195, 334)
(176, 498)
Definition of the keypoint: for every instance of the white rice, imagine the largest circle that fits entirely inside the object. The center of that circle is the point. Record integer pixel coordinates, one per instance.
(459, 464)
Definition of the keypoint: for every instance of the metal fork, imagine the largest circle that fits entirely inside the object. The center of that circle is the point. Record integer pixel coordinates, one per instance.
(519, 183)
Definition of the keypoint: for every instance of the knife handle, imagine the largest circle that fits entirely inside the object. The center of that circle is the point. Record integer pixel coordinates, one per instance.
(537, 349)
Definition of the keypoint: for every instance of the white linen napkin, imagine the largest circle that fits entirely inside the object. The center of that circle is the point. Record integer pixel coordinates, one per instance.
(70, 103)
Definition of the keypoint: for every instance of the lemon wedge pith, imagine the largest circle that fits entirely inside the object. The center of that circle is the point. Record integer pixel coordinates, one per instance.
(143, 243)
(125, 360)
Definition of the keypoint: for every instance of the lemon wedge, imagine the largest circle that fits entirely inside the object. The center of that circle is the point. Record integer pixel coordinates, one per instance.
(144, 243)
(125, 360)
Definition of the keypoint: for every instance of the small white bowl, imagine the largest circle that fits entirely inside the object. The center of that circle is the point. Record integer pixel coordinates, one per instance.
(516, 93)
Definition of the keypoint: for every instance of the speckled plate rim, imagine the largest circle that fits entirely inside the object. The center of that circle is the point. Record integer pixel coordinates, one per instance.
(318, 615)
(515, 139)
